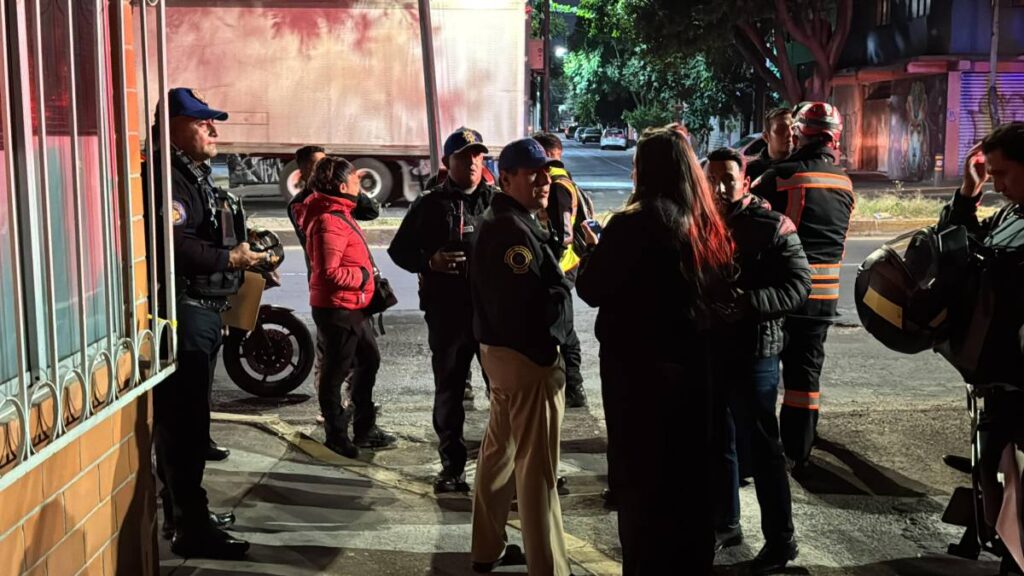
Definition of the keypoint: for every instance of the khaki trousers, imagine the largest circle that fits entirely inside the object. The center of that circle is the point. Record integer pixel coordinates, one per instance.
(519, 455)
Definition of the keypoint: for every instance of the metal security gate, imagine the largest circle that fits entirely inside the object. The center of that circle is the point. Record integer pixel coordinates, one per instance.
(974, 106)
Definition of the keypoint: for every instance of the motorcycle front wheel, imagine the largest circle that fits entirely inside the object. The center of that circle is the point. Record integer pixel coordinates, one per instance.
(274, 358)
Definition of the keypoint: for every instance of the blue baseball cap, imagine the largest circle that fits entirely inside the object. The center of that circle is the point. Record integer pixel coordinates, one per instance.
(525, 153)
(189, 102)
(464, 139)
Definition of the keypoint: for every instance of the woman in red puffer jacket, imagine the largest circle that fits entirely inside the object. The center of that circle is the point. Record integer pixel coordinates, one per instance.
(340, 285)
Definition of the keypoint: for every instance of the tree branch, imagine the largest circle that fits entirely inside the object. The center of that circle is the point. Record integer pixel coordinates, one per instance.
(794, 92)
(755, 60)
(801, 34)
(756, 38)
(844, 18)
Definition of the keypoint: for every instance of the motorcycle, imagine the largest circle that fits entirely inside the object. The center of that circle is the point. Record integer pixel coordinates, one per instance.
(991, 513)
(276, 356)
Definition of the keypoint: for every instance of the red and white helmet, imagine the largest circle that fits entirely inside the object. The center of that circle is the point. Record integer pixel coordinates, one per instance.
(812, 119)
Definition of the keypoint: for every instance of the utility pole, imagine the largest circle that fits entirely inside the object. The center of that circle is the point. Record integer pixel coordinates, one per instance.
(993, 62)
(545, 114)
(430, 86)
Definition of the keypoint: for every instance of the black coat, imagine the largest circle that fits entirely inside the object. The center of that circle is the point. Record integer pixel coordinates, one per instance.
(432, 223)
(521, 299)
(989, 307)
(774, 274)
(646, 304)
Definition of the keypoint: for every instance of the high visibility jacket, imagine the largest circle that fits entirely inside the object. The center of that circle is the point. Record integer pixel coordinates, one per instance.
(818, 197)
(567, 211)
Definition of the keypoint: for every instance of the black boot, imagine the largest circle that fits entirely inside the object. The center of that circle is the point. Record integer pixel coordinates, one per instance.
(337, 437)
(374, 439)
(773, 557)
(215, 453)
(575, 396)
(208, 542)
(220, 521)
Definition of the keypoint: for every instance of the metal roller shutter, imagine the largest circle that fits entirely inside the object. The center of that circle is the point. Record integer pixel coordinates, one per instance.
(974, 119)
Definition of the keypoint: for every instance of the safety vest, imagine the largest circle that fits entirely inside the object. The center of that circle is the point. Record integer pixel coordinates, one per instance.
(570, 259)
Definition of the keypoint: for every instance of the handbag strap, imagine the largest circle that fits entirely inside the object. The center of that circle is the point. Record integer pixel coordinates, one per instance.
(344, 218)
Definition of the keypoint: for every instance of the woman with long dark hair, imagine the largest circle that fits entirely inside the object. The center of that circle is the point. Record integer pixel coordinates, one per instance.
(661, 265)
(340, 286)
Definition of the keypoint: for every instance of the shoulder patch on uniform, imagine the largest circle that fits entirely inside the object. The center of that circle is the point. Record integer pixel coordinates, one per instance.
(518, 258)
(178, 214)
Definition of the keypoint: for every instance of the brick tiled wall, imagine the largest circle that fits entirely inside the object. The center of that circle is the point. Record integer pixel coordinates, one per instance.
(90, 508)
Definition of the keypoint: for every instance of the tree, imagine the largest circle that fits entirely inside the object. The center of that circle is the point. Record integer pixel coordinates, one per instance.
(759, 31)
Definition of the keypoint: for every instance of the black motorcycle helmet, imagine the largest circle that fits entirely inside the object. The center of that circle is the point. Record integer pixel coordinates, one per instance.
(899, 293)
(261, 240)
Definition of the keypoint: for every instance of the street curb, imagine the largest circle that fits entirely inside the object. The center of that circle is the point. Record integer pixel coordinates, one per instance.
(893, 227)
(592, 560)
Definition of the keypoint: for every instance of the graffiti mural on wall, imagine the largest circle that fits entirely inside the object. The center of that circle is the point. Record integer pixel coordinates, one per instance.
(917, 127)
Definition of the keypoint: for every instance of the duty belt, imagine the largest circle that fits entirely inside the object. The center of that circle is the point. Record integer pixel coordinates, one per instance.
(825, 281)
(215, 304)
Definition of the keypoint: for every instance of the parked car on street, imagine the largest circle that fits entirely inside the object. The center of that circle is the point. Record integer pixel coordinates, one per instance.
(613, 138)
(578, 134)
(750, 146)
(570, 131)
(591, 135)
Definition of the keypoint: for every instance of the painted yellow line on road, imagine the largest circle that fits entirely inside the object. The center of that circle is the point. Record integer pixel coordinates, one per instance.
(581, 552)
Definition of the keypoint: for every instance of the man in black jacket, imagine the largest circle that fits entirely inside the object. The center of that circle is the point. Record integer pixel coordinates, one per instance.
(986, 341)
(567, 213)
(520, 307)
(774, 280)
(778, 137)
(817, 196)
(433, 241)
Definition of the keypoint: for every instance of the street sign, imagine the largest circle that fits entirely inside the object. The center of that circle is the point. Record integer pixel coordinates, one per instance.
(535, 52)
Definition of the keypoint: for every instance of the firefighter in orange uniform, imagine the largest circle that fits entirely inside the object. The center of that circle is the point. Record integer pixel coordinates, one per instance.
(817, 195)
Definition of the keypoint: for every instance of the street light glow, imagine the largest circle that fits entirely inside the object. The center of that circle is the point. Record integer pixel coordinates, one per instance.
(561, 51)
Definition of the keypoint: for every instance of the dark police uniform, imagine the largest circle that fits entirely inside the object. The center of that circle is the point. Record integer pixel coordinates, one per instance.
(818, 197)
(207, 224)
(205, 230)
(445, 218)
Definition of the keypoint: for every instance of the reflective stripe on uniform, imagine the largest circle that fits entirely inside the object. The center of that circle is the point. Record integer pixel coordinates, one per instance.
(815, 180)
(825, 281)
(824, 292)
(804, 400)
(824, 272)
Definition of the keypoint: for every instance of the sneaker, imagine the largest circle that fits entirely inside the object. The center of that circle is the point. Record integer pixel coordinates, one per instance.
(773, 557)
(575, 396)
(448, 483)
(375, 438)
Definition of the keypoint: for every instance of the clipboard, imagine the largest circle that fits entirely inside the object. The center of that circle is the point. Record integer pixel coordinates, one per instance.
(245, 304)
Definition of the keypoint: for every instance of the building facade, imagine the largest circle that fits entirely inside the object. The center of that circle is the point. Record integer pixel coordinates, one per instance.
(77, 337)
(913, 88)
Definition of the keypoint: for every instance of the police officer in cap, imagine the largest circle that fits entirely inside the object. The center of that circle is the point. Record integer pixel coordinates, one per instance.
(210, 257)
(433, 241)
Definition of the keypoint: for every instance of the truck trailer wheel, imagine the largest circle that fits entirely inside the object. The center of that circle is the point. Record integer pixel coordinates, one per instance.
(288, 183)
(377, 181)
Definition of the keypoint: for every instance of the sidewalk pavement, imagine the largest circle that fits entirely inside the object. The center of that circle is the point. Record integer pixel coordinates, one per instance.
(307, 511)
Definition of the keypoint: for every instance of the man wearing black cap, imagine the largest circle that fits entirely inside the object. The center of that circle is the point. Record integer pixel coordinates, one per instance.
(209, 262)
(433, 241)
(521, 317)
